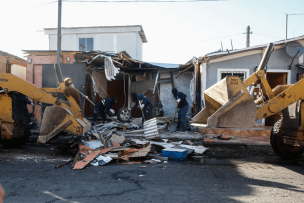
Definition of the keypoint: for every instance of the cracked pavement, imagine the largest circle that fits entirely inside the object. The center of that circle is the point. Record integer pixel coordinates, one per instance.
(34, 179)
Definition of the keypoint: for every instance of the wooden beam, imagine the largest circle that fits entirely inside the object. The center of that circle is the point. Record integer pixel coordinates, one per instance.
(183, 71)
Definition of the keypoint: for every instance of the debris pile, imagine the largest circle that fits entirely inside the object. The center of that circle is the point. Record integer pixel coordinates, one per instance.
(112, 142)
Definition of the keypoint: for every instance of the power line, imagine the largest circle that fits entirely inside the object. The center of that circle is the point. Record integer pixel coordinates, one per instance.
(269, 36)
(296, 14)
(201, 41)
(138, 1)
(25, 8)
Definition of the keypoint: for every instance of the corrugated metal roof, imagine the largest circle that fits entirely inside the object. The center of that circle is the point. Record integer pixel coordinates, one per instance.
(224, 53)
(164, 65)
(12, 56)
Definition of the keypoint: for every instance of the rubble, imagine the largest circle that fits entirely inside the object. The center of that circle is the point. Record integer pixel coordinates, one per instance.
(113, 141)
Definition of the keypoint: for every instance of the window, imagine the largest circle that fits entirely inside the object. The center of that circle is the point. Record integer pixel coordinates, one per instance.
(241, 74)
(85, 44)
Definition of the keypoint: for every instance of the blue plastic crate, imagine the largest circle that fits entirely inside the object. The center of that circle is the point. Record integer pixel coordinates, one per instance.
(177, 154)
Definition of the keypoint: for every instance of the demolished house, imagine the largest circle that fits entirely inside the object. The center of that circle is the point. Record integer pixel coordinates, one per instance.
(101, 75)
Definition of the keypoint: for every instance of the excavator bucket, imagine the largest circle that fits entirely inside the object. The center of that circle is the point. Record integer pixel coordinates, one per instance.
(57, 119)
(228, 105)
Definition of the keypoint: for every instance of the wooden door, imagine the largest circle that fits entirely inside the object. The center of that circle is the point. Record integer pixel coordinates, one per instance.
(116, 89)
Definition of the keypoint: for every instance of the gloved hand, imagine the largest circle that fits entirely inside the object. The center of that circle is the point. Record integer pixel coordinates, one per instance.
(112, 111)
(32, 104)
(141, 106)
(178, 100)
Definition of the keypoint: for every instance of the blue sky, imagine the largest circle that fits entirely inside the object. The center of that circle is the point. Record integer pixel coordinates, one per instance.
(175, 31)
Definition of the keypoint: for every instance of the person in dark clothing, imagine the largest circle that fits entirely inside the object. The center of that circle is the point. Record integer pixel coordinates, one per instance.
(26, 115)
(100, 108)
(146, 106)
(143, 103)
(135, 99)
(183, 106)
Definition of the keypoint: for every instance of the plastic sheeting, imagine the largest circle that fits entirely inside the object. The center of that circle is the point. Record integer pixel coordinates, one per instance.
(110, 70)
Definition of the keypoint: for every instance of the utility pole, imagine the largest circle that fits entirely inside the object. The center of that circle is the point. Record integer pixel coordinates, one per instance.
(248, 36)
(57, 67)
(286, 26)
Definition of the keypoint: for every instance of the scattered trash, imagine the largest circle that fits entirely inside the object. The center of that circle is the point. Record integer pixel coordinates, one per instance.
(141, 175)
(94, 144)
(101, 160)
(152, 161)
(113, 141)
(177, 154)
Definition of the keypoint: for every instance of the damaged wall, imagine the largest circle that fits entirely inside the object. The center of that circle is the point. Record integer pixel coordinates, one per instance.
(182, 84)
(140, 87)
(101, 77)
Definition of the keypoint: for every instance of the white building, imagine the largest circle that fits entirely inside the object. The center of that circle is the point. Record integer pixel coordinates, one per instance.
(102, 38)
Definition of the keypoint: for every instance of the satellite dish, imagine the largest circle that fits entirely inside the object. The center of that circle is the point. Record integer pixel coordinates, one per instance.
(292, 49)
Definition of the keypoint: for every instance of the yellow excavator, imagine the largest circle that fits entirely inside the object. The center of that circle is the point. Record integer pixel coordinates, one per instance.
(63, 115)
(228, 104)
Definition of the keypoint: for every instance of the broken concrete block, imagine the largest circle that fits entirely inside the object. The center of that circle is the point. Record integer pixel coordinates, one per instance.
(118, 139)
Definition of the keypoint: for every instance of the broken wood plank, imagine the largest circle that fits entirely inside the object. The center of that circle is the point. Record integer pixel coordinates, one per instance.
(119, 149)
(63, 164)
(141, 152)
(81, 164)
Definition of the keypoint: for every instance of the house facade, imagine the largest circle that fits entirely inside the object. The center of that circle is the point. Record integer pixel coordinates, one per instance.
(102, 38)
(12, 64)
(243, 62)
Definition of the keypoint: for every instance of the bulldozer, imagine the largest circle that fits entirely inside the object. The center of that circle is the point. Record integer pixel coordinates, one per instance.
(228, 104)
(63, 114)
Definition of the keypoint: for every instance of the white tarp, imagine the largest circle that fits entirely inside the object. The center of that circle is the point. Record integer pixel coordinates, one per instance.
(110, 70)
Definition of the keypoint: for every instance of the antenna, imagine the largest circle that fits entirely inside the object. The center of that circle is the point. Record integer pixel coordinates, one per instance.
(222, 45)
(231, 44)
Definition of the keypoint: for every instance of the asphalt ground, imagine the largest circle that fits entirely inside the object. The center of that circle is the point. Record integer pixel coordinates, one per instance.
(28, 175)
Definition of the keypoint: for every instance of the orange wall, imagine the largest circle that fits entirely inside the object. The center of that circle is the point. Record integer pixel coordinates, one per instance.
(37, 62)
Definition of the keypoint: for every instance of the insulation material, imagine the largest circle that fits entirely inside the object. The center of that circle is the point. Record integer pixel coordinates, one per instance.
(110, 70)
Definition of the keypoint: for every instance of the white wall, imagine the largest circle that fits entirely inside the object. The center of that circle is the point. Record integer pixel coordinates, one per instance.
(19, 71)
(128, 41)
